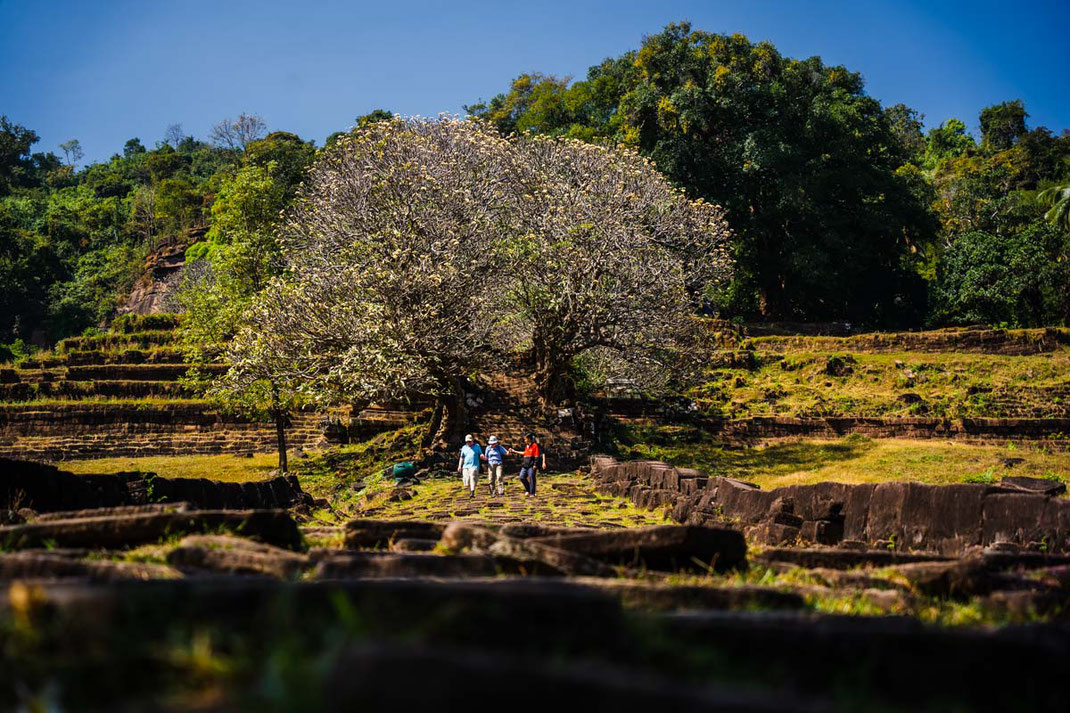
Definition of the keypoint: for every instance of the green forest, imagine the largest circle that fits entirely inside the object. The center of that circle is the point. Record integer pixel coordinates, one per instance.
(840, 208)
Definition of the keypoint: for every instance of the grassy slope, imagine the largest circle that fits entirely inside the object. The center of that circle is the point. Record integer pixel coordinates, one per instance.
(950, 384)
(849, 460)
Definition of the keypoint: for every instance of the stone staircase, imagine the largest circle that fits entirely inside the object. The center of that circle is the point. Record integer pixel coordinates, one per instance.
(507, 406)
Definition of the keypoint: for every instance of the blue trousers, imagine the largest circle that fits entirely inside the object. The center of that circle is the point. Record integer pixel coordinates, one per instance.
(527, 477)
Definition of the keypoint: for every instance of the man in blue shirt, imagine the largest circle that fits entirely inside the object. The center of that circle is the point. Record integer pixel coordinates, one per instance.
(495, 458)
(468, 464)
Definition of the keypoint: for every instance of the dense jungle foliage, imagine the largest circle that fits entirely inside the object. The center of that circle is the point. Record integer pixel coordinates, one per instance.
(841, 208)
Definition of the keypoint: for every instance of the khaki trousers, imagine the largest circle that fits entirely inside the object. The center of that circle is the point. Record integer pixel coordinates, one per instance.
(495, 477)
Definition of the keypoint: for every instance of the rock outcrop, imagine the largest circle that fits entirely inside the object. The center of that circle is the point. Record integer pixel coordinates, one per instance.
(947, 519)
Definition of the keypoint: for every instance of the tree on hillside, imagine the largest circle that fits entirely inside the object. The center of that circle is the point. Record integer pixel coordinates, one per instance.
(803, 161)
(72, 151)
(1057, 200)
(1018, 280)
(1002, 125)
(238, 133)
(133, 147)
(373, 116)
(173, 135)
(907, 124)
(243, 240)
(264, 377)
(15, 162)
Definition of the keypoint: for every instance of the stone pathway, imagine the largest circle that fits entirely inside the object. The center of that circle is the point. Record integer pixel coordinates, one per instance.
(566, 499)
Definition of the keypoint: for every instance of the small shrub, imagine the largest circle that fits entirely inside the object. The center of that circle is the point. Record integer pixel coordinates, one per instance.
(986, 478)
(130, 323)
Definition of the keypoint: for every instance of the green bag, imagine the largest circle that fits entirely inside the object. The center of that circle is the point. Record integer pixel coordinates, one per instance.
(402, 471)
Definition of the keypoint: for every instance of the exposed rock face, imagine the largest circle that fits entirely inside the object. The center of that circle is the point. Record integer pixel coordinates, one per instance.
(948, 519)
(151, 294)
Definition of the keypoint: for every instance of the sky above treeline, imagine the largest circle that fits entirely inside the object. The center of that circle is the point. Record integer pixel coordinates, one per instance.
(103, 71)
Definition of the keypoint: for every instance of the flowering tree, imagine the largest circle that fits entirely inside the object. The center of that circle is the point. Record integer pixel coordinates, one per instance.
(421, 252)
(611, 260)
(388, 251)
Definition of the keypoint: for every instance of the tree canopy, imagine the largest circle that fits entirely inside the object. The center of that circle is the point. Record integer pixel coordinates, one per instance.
(419, 253)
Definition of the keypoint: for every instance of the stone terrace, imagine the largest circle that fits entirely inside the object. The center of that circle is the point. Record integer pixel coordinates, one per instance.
(120, 394)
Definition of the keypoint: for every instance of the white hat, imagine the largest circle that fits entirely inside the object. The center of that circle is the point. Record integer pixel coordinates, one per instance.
(492, 440)
(469, 437)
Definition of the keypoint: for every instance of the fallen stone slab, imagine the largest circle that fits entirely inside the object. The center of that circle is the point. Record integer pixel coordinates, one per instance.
(413, 544)
(1040, 486)
(383, 564)
(1027, 605)
(548, 616)
(661, 547)
(36, 565)
(532, 556)
(236, 555)
(959, 579)
(369, 533)
(998, 561)
(526, 530)
(849, 579)
(113, 532)
(379, 675)
(895, 658)
(322, 531)
(661, 596)
(110, 512)
(833, 558)
(460, 536)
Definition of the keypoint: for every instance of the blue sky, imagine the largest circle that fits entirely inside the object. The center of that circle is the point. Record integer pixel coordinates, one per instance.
(104, 71)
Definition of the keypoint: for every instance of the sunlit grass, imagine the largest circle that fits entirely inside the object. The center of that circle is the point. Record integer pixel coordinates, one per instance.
(231, 468)
(851, 460)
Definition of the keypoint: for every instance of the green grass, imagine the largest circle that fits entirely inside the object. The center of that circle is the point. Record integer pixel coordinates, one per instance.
(949, 385)
(332, 473)
(563, 499)
(849, 460)
(230, 468)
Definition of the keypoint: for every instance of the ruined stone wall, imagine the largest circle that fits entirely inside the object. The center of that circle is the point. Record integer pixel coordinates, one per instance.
(1054, 432)
(1011, 342)
(965, 429)
(45, 488)
(111, 430)
(948, 519)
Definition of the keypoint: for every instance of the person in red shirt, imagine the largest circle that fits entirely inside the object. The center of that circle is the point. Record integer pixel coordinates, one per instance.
(533, 459)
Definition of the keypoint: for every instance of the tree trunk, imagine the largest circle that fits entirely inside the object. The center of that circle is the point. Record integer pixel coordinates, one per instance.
(430, 438)
(280, 427)
(552, 379)
(454, 415)
(554, 384)
(280, 436)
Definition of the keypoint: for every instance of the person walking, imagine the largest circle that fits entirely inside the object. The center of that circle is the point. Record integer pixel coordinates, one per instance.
(533, 459)
(495, 457)
(468, 464)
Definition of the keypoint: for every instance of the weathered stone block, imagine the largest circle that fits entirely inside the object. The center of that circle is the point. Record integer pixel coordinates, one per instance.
(665, 547)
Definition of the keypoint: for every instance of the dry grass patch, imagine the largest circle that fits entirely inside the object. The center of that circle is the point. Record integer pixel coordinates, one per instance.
(231, 468)
(854, 460)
